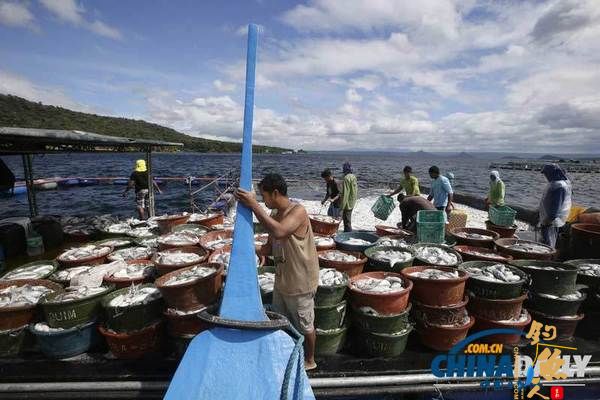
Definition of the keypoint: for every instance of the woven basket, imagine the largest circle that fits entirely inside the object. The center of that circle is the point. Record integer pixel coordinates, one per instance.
(457, 219)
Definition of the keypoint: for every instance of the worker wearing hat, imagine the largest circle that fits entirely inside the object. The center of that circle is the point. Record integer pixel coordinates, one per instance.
(139, 181)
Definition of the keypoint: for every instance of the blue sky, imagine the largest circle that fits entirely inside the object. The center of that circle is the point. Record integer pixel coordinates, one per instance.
(333, 74)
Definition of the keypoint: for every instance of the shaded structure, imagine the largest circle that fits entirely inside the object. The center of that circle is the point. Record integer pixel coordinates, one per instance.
(29, 141)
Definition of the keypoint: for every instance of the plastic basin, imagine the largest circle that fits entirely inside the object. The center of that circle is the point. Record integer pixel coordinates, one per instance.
(588, 280)
(555, 307)
(565, 326)
(383, 303)
(31, 264)
(503, 231)
(135, 344)
(330, 342)
(482, 324)
(167, 222)
(470, 253)
(131, 318)
(67, 343)
(443, 338)
(19, 316)
(11, 341)
(322, 227)
(193, 295)
(166, 268)
(494, 290)
(381, 323)
(121, 283)
(503, 248)
(352, 268)
(184, 324)
(340, 239)
(92, 260)
(331, 295)
(330, 317)
(380, 265)
(384, 345)
(422, 261)
(427, 315)
(556, 281)
(68, 314)
(436, 292)
(496, 309)
(462, 240)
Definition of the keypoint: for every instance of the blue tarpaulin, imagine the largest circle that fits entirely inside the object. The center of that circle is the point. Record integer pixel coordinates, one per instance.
(226, 363)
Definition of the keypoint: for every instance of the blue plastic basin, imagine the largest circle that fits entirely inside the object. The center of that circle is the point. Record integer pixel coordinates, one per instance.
(340, 238)
(67, 343)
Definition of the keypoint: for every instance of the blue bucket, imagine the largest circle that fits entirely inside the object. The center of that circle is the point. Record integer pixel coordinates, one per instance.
(67, 343)
(17, 190)
(340, 239)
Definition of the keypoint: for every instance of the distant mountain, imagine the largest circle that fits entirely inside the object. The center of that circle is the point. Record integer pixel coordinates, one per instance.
(549, 157)
(18, 112)
(511, 158)
(423, 154)
(464, 155)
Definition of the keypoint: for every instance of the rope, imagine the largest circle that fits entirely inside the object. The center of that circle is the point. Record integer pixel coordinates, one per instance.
(276, 321)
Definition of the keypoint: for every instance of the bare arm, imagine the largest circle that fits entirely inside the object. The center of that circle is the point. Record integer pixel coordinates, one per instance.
(278, 230)
(450, 198)
(156, 187)
(267, 248)
(130, 185)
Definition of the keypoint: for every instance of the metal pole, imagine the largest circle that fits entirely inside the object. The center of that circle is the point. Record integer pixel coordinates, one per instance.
(28, 169)
(151, 212)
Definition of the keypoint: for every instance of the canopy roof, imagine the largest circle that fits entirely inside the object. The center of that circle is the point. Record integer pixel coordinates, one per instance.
(30, 140)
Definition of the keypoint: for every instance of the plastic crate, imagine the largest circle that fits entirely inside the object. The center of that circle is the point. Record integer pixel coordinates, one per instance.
(383, 207)
(431, 226)
(502, 216)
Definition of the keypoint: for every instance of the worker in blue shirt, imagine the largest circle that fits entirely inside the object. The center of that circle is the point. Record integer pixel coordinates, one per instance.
(441, 191)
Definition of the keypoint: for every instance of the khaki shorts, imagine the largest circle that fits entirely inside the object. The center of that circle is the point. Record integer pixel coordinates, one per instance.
(141, 198)
(299, 309)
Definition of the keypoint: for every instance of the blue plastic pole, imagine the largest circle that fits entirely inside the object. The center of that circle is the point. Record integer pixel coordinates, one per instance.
(241, 298)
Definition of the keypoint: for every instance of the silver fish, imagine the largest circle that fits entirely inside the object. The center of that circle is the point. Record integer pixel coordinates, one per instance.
(323, 241)
(494, 273)
(432, 273)
(389, 284)
(529, 247)
(384, 241)
(117, 243)
(140, 233)
(177, 258)
(266, 281)
(190, 275)
(37, 271)
(392, 256)
(13, 296)
(336, 255)
(436, 255)
(331, 277)
(134, 271)
(130, 253)
(79, 253)
(576, 295)
(77, 293)
(67, 274)
(589, 269)
(179, 239)
(325, 218)
(120, 228)
(136, 295)
(219, 243)
(357, 242)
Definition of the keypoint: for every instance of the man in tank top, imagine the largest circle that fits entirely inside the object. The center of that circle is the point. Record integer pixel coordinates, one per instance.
(291, 243)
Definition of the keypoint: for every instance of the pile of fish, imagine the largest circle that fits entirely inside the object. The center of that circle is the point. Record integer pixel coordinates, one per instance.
(86, 225)
(225, 226)
(177, 258)
(494, 273)
(135, 296)
(389, 284)
(336, 255)
(141, 233)
(576, 295)
(325, 218)
(193, 229)
(168, 217)
(36, 271)
(219, 243)
(121, 228)
(67, 274)
(529, 247)
(322, 241)
(589, 269)
(544, 267)
(16, 296)
(266, 281)
(331, 277)
(77, 293)
(432, 273)
(196, 217)
(44, 327)
(151, 242)
(392, 256)
(134, 271)
(522, 318)
(189, 275)
(89, 251)
(179, 239)
(386, 241)
(116, 243)
(470, 235)
(484, 254)
(357, 242)
(130, 253)
(225, 257)
(436, 255)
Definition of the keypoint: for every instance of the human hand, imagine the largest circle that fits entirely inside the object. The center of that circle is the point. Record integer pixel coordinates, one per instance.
(245, 197)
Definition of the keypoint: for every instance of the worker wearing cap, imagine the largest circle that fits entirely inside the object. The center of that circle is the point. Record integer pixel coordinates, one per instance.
(139, 181)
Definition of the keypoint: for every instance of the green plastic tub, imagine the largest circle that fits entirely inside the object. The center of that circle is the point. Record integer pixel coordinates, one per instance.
(11, 342)
(7, 274)
(588, 280)
(132, 318)
(130, 242)
(330, 341)
(380, 323)
(494, 290)
(330, 317)
(555, 307)
(382, 344)
(379, 265)
(331, 295)
(68, 314)
(502, 215)
(431, 226)
(558, 281)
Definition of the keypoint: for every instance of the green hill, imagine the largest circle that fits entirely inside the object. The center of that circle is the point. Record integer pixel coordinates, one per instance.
(18, 112)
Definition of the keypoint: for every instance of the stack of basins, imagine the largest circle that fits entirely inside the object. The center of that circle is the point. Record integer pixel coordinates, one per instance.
(439, 305)
(588, 274)
(380, 310)
(330, 311)
(496, 295)
(554, 296)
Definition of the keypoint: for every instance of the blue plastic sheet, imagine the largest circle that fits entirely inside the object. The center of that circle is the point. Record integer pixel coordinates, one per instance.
(225, 363)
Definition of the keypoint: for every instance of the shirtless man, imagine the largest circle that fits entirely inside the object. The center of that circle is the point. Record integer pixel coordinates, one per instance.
(291, 242)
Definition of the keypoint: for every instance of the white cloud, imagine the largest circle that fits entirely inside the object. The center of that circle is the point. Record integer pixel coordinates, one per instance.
(223, 86)
(16, 14)
(17, 85)
(353, 96)
(74, 13)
